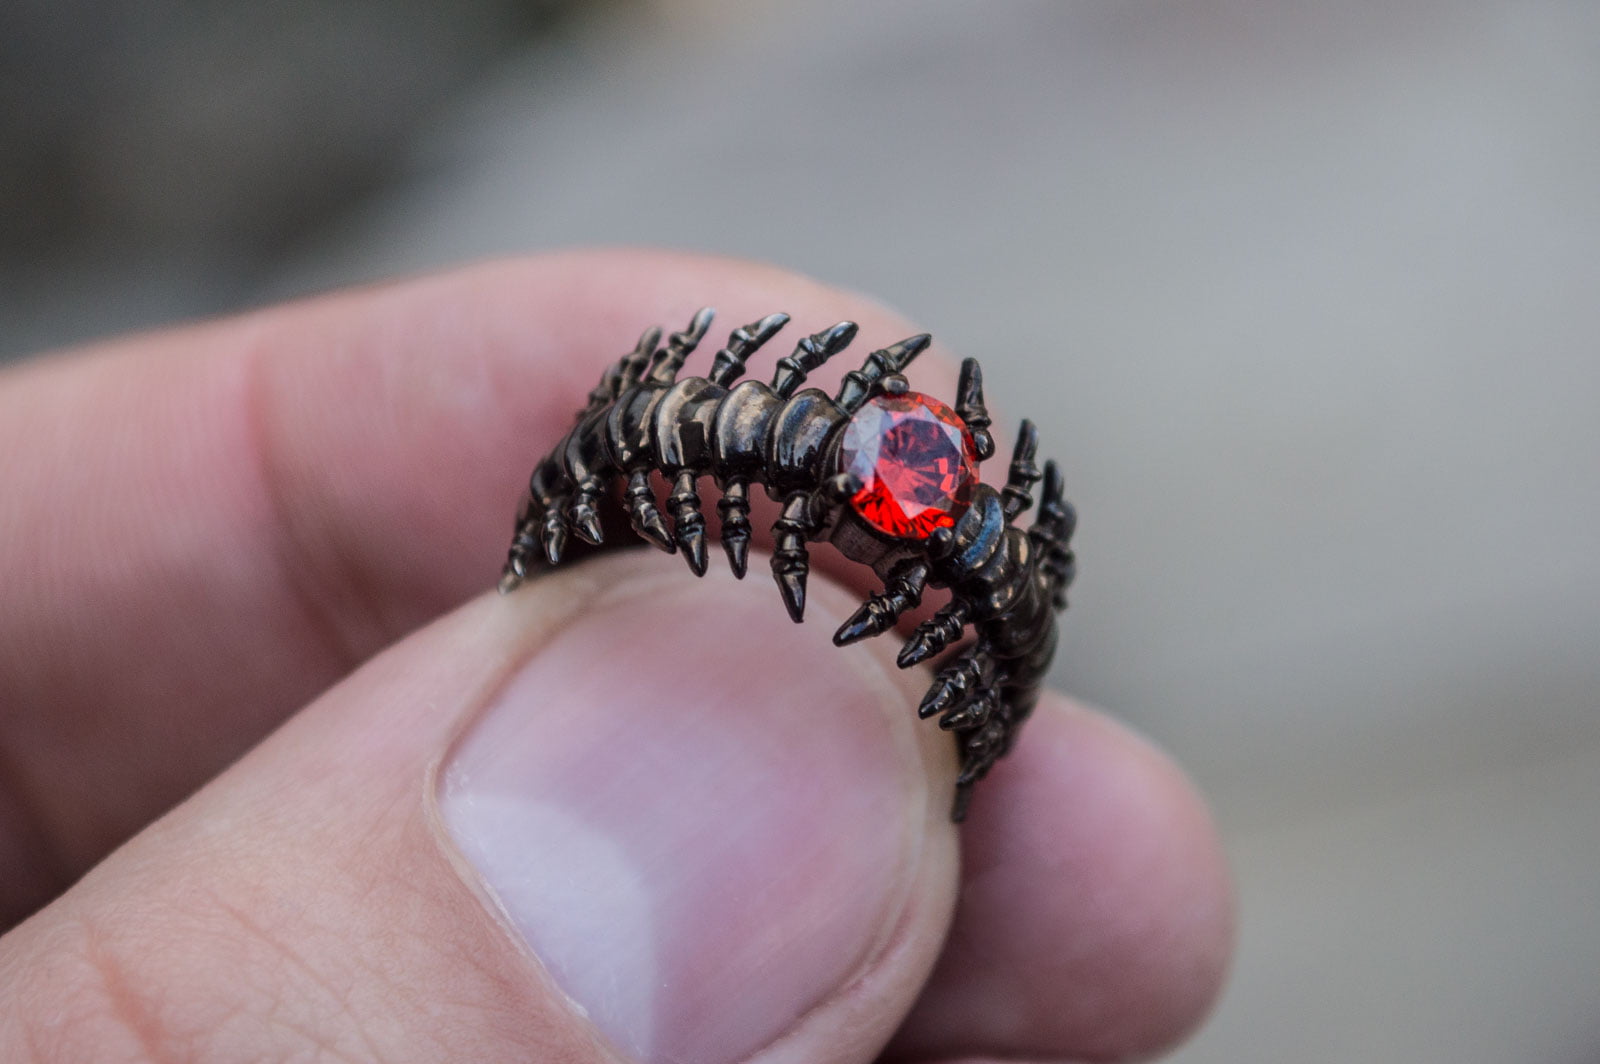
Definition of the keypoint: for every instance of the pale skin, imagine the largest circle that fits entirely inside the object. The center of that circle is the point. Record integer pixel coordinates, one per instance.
(247, 568)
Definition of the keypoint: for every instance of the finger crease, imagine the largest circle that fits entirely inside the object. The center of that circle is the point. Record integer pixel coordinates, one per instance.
(318, 579)
(129, 1008)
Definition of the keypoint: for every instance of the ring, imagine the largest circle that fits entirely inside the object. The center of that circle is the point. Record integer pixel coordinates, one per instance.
(888, 475)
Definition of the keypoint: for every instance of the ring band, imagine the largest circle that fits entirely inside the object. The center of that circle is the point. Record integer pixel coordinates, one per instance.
(888, 475)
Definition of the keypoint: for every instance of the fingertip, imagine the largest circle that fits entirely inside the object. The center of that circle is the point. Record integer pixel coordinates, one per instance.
(1096, 917)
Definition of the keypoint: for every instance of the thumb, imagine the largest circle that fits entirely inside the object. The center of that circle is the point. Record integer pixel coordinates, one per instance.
(619, 815)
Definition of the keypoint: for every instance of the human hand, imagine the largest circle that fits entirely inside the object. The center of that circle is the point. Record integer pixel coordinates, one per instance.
(620, 814)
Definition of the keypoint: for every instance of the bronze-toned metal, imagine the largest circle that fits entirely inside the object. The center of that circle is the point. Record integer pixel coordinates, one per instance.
(1006, 584)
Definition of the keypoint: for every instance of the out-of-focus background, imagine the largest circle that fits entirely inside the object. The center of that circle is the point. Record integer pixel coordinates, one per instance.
(1307, 297)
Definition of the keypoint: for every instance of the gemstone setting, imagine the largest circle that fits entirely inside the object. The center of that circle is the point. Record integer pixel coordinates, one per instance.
(916, 461)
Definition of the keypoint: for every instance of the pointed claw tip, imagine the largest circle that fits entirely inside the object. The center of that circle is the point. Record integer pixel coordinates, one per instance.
(844, 487)
(952, 722)
(738, 549)
(914, 653)
(554, 542)
(903, 351)
(963, 799)
(694, 552)
(588, 527)
(864, 622)
(854, 630)
(793, 587)
(655, 532)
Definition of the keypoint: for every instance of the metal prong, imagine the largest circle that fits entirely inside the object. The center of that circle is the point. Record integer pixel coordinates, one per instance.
(680, 345)
(971, 409)
(934, 635)
(734, 509)
(880, 612)
(842, 487)
(646, 516)
(809, 354)
(689, 525)
(744, 342)
(859, 384)
(633, 364)
(1018, 493)
(790, 561)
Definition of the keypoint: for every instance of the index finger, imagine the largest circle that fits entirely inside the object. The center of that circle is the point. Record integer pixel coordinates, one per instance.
(205, 527)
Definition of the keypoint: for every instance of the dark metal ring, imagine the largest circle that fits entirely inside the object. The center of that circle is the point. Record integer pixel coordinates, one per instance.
(888, 475)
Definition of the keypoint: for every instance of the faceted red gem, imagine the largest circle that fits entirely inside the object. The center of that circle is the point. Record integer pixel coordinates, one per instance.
(916, 461)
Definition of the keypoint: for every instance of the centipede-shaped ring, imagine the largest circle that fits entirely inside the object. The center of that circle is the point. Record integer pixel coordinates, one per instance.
(888, 475)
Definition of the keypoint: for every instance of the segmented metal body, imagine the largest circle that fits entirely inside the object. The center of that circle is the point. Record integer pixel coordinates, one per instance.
(644, 419)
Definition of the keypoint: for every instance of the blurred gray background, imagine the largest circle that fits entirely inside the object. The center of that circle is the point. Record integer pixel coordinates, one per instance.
(1306, 295)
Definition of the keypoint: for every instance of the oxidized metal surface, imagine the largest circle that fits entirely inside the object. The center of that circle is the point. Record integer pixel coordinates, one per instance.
(1006, 584)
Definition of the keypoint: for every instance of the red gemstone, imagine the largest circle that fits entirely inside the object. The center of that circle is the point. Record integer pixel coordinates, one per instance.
(916, 461)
